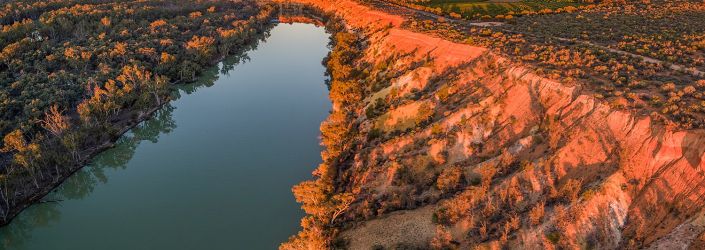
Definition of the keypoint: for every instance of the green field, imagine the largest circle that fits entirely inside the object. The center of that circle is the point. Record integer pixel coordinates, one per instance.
(478, 8)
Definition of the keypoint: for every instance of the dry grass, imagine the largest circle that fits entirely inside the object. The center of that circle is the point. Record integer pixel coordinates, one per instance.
(409, 227)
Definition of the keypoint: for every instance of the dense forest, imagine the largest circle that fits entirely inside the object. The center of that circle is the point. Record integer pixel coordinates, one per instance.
(76, 74)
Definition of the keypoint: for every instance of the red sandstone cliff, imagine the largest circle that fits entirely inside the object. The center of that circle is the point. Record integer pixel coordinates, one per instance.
(639, 183)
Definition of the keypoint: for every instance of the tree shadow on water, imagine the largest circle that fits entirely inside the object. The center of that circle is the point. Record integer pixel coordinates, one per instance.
(210, 75)
(19, 232)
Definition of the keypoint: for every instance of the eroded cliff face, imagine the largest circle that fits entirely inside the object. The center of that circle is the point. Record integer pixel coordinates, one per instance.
(465, 147)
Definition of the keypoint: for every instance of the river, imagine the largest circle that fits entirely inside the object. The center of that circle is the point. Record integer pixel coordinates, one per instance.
(211, 170)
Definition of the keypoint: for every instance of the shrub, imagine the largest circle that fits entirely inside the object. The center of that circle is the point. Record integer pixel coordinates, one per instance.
(667, 87)
(689, 90)
(449, 179)
(570, 190)
(374, 134)
(536, 213)
(424, 113)
(442, 239)
(553, 237)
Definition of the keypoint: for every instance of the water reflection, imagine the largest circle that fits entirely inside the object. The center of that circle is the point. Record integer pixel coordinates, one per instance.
(211, 75)
(84, 181)
(222, 179)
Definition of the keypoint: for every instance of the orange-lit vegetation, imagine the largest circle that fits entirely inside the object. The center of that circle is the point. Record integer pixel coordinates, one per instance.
(540, 141)
(323, 203)
(75, 74)
(670, 31)
(491, 9)
(584, 47)
(526, 136)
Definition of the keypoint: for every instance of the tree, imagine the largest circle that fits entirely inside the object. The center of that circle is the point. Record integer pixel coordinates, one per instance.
(201, 47)
(312, 197)
(119, 51)
(313, 237)
(340, 203)
(166, 58)
(156, 24)
(322, 210)
(10, 51)
(335, 133)
(54, 121)
(345, 93)
(158, 88)
(5, 196)
(139, 83)
(105, 21)
(195, 14)
(188, 70)
(26, 154)
(14, 141)
(105, 102)
(345, 51)
(71, 54)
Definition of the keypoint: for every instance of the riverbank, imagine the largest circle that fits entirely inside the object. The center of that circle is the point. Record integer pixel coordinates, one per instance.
(36, 194)
(208, 153)
(18, 196)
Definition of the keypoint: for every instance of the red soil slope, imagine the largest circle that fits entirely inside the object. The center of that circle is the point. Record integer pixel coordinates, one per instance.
(641, 182)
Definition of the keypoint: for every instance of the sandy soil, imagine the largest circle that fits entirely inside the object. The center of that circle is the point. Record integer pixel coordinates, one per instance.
(413, 227)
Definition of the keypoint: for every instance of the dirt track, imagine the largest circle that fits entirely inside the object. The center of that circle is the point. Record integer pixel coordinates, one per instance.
(469, 24)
